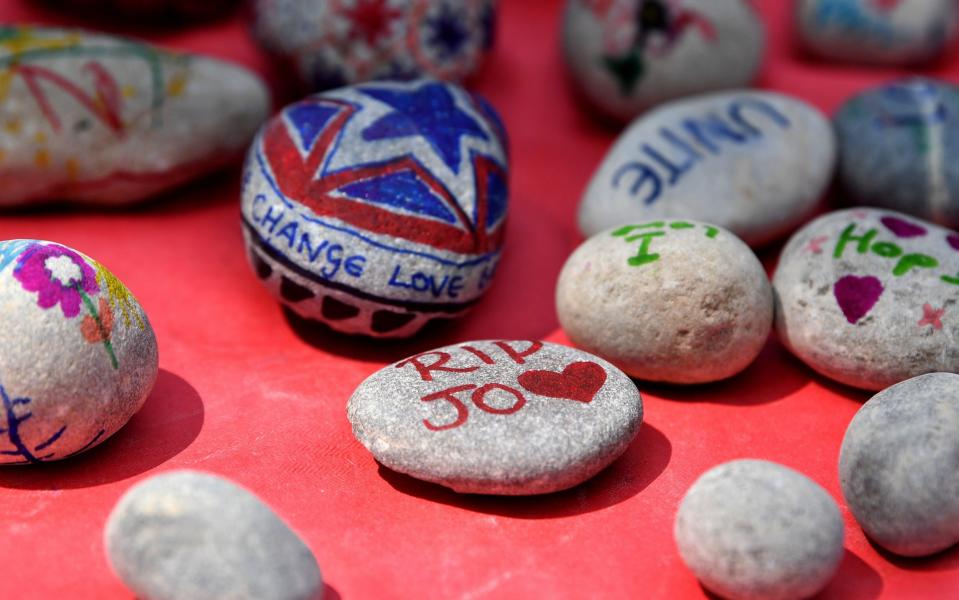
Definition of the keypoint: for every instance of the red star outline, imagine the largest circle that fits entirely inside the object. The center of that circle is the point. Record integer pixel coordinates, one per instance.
(370, 19)
(932, 316)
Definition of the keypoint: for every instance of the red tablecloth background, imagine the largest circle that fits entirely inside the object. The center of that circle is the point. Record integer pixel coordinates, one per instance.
(248, 394)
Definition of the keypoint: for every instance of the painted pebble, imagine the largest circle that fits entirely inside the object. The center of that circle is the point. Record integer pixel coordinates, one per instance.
(336, 43)
(675, 301)
(756, 530)
(628, 55)
(867, 297)
(186, 535)
(755, 163)
(498, 417)
(79, 357)
(104, 120)
(898, 465)
(898, 148)
(378, 207)
(880, 32)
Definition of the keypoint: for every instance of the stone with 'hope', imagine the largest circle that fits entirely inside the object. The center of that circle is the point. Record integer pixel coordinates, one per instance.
(498, 417)
(378, 207)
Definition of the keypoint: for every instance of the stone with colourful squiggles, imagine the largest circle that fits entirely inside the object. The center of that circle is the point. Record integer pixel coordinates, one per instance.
(96, 119)
(898, 145)
(877, 32)
(629, 55)
(870, 297)
(79, 356)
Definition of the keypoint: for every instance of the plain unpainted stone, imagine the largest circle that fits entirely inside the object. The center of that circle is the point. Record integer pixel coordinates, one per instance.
(755, 163)
(402, 220)
(898, 148)
(97, 119)
(186, 535)
(627, 56)
(72, 371)
(533, 417)
(899, 465)
(678, 301)
(331, 44)
(880, 33)
(868, 297)
(756, 530)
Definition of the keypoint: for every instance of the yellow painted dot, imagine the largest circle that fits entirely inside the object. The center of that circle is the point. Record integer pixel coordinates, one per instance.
(42, 158)
(40, 137)
(73, 169)
(177, 85)
(12, 126)
(129, 91)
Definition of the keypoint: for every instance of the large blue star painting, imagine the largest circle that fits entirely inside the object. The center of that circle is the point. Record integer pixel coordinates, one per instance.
(428, 111)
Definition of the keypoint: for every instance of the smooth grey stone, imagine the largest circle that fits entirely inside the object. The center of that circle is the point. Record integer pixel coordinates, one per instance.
(186, 535)
(676, 301)
(868, 297)
(756, 530)
(97, 119)
(755, 163)
(879, 33)
(331, 44)
(898, 148)
(379, 207)
(79, 356)
(498, 417)
(899, 465)
(628, 56)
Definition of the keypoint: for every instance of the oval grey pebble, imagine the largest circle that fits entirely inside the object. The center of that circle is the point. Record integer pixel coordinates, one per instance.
(756, 530)
(899, 465)
(186, 535)
(498, 417)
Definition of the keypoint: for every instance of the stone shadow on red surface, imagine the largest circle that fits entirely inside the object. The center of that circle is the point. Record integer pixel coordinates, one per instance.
(171, 418)
(645, 459)
(945, 560)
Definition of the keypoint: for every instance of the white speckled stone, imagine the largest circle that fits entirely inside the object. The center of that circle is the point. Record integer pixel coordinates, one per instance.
(755, 163)
(899, 465)
(897, 148)
(628, 55)
(331, 43)
(105, 120)
(873, 32)
(756, 530)
(676, 301)
(378, 207)
(868, 297)
(186, 535)
(79, 357)
(498, 417)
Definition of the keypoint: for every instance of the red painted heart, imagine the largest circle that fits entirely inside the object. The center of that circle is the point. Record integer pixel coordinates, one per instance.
(579, 381)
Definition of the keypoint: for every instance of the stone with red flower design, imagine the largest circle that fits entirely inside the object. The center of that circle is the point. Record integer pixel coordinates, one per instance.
(331, 44)
(79, 355)
(498, 417)
(629, 55)
(877, 304)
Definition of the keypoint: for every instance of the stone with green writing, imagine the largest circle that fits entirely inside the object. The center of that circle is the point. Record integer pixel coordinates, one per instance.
(674, 300)
(79, 356)
(629, 55)
(868, 297)
(97, 119)
(755, 163)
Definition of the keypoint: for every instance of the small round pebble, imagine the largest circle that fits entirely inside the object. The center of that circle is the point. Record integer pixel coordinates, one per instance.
(898, 148)
(630, 55)
(379, 207)
(79, 356)
(899, 465)
(498, 416)
(333, 43)
(679, 301)
(756, 530)
(186, 535)
(877, 32)
(868, 297)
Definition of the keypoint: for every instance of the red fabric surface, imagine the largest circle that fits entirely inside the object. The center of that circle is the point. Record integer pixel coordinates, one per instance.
(245, 393)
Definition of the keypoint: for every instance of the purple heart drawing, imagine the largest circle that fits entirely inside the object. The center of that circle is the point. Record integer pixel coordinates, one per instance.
(953, 239)
(857, 295)
(901, 228)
